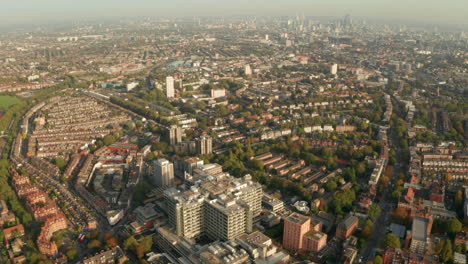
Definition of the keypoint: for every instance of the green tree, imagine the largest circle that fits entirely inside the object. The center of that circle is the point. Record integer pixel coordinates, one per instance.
(109, 140)
(61, 163)
(150, 156)
(444, 251)
(374, 211)
(141, 247)
(140, 191)
(72, 254)
(130, 243)
(147, 243)
(331, 185)
(327, 153)
(378, 260)
(222, 110)
(350, 175)
(459, 201)
(367, 230)
(454, 226)
(391, 241)
(94, 244)
(256, 164)
(361, 168)
(331, 163)
(343, 199)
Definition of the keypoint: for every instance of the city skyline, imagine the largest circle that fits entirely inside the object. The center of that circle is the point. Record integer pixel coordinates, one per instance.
(434, 12)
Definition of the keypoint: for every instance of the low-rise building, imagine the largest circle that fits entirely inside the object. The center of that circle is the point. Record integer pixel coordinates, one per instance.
(347, 227)
(111, 256)
(396, 255)
(272, 204)
(261, 248)
(6, 216)
(315, 241)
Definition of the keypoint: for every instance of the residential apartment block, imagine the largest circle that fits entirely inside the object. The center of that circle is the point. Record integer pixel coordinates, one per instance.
(163, 173)
(299, 234)
(218, 205)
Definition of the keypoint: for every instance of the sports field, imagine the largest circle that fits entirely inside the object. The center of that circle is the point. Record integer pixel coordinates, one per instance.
(7, 101)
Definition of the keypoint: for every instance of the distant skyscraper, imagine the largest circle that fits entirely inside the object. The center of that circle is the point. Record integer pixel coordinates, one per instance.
(163, 173)
(175, 134)
(347, 22)
(247, 70)
(267, 37)
(204, 145)
(170, 87)
(334, 69)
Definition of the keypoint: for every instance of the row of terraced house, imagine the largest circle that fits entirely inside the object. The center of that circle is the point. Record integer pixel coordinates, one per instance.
(43, 209)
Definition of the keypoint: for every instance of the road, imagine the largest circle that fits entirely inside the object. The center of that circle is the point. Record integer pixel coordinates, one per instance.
(386, 204)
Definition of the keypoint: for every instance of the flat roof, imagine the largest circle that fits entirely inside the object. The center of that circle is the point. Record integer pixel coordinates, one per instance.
(297, 218)
(315, 234)
(349, 221)
(398, 230)
(419, 228)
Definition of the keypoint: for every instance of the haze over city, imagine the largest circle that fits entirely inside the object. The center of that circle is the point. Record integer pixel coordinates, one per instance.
(452, 12)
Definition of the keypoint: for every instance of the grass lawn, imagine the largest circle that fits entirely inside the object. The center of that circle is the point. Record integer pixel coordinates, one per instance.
(7, 101)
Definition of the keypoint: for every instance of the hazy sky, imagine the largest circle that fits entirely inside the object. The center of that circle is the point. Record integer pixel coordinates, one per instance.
(435, 11)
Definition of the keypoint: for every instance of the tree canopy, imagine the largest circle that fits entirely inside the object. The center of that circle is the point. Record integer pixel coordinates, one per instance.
(391, 241)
